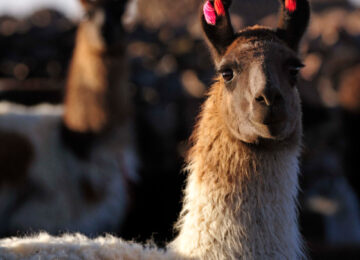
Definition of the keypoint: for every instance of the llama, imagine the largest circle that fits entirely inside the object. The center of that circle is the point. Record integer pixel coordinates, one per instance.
(240, 197)
(78, 160)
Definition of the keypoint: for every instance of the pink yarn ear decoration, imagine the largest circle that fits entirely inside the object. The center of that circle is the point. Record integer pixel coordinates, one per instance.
(290, 5)
(219, 7)
(209, 13)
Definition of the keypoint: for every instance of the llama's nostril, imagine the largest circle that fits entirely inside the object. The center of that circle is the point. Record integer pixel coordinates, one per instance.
(269, 99)
(260, 99)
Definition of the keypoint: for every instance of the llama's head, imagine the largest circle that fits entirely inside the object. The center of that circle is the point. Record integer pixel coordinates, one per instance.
(97, 94)
(103, 23)
(257, 71)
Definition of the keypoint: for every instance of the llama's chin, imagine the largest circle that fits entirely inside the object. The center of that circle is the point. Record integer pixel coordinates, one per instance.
(277, 131)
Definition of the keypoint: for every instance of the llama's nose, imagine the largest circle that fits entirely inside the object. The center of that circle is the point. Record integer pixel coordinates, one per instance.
(269, 97)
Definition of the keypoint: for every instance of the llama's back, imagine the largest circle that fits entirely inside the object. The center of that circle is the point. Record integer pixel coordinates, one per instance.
(59, 191)
(79, 247)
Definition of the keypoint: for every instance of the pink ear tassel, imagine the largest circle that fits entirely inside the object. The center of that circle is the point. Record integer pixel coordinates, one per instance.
(290, 5)
(219, 7)
(209, 13)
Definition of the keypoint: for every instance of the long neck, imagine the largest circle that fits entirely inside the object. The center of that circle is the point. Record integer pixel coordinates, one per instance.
(97, 95)
(240, 201)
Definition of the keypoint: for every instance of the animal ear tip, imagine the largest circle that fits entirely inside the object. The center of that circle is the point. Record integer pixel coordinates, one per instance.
(290, 5)
(209, 13)
(219, 7)
(212, 10)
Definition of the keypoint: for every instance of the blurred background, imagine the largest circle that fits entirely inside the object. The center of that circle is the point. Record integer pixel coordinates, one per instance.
(170, 71)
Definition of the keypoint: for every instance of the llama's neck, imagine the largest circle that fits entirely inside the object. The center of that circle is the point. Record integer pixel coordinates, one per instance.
(97, 95)
(240, 202)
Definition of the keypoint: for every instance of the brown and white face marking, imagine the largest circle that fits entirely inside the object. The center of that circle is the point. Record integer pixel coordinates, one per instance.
(257, 71)
(258, 80)
(103, 23)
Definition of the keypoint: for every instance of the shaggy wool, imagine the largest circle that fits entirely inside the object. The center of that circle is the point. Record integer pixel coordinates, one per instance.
(78, 247)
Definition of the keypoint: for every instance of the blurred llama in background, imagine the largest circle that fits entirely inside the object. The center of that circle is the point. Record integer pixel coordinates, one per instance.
(71, 167)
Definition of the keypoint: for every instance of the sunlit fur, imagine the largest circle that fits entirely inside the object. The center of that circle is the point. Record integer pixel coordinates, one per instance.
(78, 247)
(240, 199)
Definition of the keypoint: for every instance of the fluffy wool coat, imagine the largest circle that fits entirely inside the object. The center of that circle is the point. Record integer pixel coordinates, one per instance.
(240, 199)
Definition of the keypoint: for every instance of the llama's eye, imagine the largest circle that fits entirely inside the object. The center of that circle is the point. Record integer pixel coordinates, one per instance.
(294, 70)
(293, 73)
(227, 74)
(293, 67)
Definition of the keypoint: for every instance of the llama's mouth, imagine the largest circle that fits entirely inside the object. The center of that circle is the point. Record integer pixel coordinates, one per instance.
(271, 129)
(272, 119)
(273, 122)
(276, 128)
(268, 117)
(269, 122)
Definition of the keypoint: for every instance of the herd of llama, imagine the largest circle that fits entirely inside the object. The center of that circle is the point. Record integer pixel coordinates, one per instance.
(78, 162)
(240, 196)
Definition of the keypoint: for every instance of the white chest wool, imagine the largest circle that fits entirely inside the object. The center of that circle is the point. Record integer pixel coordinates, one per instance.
(257, 220)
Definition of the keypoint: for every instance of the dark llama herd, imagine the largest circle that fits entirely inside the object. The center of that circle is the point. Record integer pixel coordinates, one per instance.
(240, 196)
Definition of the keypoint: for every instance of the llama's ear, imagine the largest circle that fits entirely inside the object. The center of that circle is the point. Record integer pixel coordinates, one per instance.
(215, 20)
(293, 21)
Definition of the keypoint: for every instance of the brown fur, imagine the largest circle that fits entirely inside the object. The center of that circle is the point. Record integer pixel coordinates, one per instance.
(259, 61)
(240, 198)
(219, 149)
(97, 96)
(242, 185)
